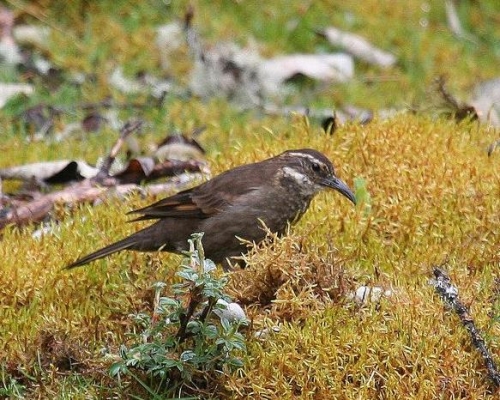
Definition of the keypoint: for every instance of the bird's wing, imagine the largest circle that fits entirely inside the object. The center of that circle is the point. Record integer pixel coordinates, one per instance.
(204, 200)
(180, 205)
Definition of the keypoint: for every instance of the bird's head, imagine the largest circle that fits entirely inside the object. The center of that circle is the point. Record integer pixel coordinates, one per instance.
(312, 172)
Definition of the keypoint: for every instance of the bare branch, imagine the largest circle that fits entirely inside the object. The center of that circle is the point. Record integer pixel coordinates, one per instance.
(126, 130)
(84, 191)
(449, 294)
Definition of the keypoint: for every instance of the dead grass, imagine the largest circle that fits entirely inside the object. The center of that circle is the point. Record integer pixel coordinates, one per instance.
(286, 281)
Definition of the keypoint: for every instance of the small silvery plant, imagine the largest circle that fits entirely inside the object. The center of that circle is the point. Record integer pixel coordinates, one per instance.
(188, 339)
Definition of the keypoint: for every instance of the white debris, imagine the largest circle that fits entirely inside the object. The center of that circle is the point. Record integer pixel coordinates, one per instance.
(244, 77)
(46, 169)
(230, 311)
(37, 36)
(486, 101)
(42, 65)
(227, 70)
(359, 47)
(125, 85)
(149, 84)
(323, 67)
(8, 90)
(367, 294)
(169, 38)
(9, 50)
(9, 53)
(263, 334)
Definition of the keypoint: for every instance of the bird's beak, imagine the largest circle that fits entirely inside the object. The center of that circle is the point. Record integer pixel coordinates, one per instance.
(338, 185)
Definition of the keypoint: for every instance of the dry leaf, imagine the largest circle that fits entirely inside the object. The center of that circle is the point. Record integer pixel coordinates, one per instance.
(323, 67)
(180, 147)
(137, 170)
(359, 47)
(60, 171)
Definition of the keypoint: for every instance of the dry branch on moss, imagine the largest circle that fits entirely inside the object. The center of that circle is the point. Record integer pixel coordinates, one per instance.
(21, 212)
(457, 109)
(37, 209)
(125, 131)
(449, 294)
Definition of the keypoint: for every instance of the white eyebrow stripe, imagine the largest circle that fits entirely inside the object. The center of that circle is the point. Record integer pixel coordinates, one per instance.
(305, 155)
(308, 156)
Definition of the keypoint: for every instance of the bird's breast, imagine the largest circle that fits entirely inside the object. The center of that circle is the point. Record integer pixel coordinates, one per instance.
(280, 208)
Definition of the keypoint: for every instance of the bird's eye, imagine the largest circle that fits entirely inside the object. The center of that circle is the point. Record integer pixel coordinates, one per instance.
(316, 167)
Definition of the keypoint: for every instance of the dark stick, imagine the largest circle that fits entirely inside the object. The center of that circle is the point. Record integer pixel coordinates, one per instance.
(126, 130)
(449, 294)
(492, 147)
(446, 95)
(194, 302)
(208, 308)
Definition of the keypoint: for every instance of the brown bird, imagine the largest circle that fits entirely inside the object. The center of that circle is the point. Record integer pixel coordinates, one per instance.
(233, 205)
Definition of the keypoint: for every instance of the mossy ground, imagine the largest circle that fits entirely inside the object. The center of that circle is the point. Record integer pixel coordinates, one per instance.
(434, 199)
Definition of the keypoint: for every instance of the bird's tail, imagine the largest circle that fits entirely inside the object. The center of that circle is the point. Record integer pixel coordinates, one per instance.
(123, 244)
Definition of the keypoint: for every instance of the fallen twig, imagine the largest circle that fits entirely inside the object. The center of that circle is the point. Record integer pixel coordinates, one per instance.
(101, 184)
(458, 109)
(449, 294)
(126, 130)
(37, 209)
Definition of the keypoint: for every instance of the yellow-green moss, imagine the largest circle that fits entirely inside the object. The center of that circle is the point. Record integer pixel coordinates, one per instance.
(434, 198)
